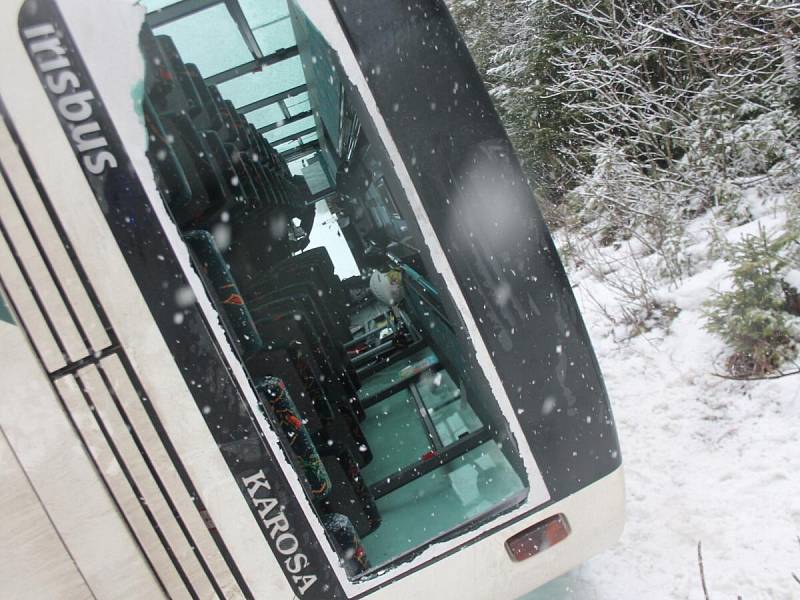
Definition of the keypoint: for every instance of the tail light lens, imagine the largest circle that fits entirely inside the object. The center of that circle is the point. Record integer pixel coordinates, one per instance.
(537, 538)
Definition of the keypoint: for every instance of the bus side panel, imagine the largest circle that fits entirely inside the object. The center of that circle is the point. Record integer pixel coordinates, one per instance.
(110, 417)
(33, 560)
(63, 536)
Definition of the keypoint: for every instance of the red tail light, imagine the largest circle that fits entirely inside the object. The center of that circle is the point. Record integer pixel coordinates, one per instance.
(538, 538)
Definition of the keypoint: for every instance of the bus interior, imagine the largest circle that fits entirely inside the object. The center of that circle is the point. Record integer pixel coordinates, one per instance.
(309, 250)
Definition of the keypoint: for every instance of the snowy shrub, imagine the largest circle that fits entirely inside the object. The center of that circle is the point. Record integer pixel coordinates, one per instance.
(761, 143)
(620, 202)
(609, 198)
(695, 92)
(752, 316)
(631, 274)
(790, 279)
(725, 146)
(728, 196)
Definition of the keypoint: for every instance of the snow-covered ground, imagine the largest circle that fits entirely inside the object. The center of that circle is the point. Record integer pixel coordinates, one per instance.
(707, 459)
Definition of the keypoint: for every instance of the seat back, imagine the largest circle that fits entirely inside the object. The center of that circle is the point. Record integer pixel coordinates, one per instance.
(279, 409)
(159, 79)
(209, 118)
(184, 96)
(246, 335)
(346, 537)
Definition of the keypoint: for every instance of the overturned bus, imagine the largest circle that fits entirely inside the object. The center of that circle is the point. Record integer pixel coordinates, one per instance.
(280, 315)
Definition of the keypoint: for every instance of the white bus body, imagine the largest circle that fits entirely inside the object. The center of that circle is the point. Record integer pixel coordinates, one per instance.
(118, 363)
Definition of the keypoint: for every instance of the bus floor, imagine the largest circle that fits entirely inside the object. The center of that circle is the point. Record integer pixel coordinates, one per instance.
(441, 500)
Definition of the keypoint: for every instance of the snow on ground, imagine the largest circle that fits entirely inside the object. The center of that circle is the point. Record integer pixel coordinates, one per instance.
(706, 459)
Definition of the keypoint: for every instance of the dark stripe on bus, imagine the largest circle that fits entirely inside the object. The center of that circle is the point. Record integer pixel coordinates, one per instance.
(194, 349)
(95, 357)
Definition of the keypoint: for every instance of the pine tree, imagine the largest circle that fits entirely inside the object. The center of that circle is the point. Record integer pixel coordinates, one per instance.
(752, 316)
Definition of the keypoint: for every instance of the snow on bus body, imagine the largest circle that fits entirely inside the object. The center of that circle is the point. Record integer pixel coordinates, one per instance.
(472, 564)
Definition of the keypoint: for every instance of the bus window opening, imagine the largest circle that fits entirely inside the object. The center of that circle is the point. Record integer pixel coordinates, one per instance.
(310, 252)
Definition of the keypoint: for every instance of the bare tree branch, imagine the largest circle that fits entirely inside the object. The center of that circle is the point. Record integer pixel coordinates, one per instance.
(702, 571)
